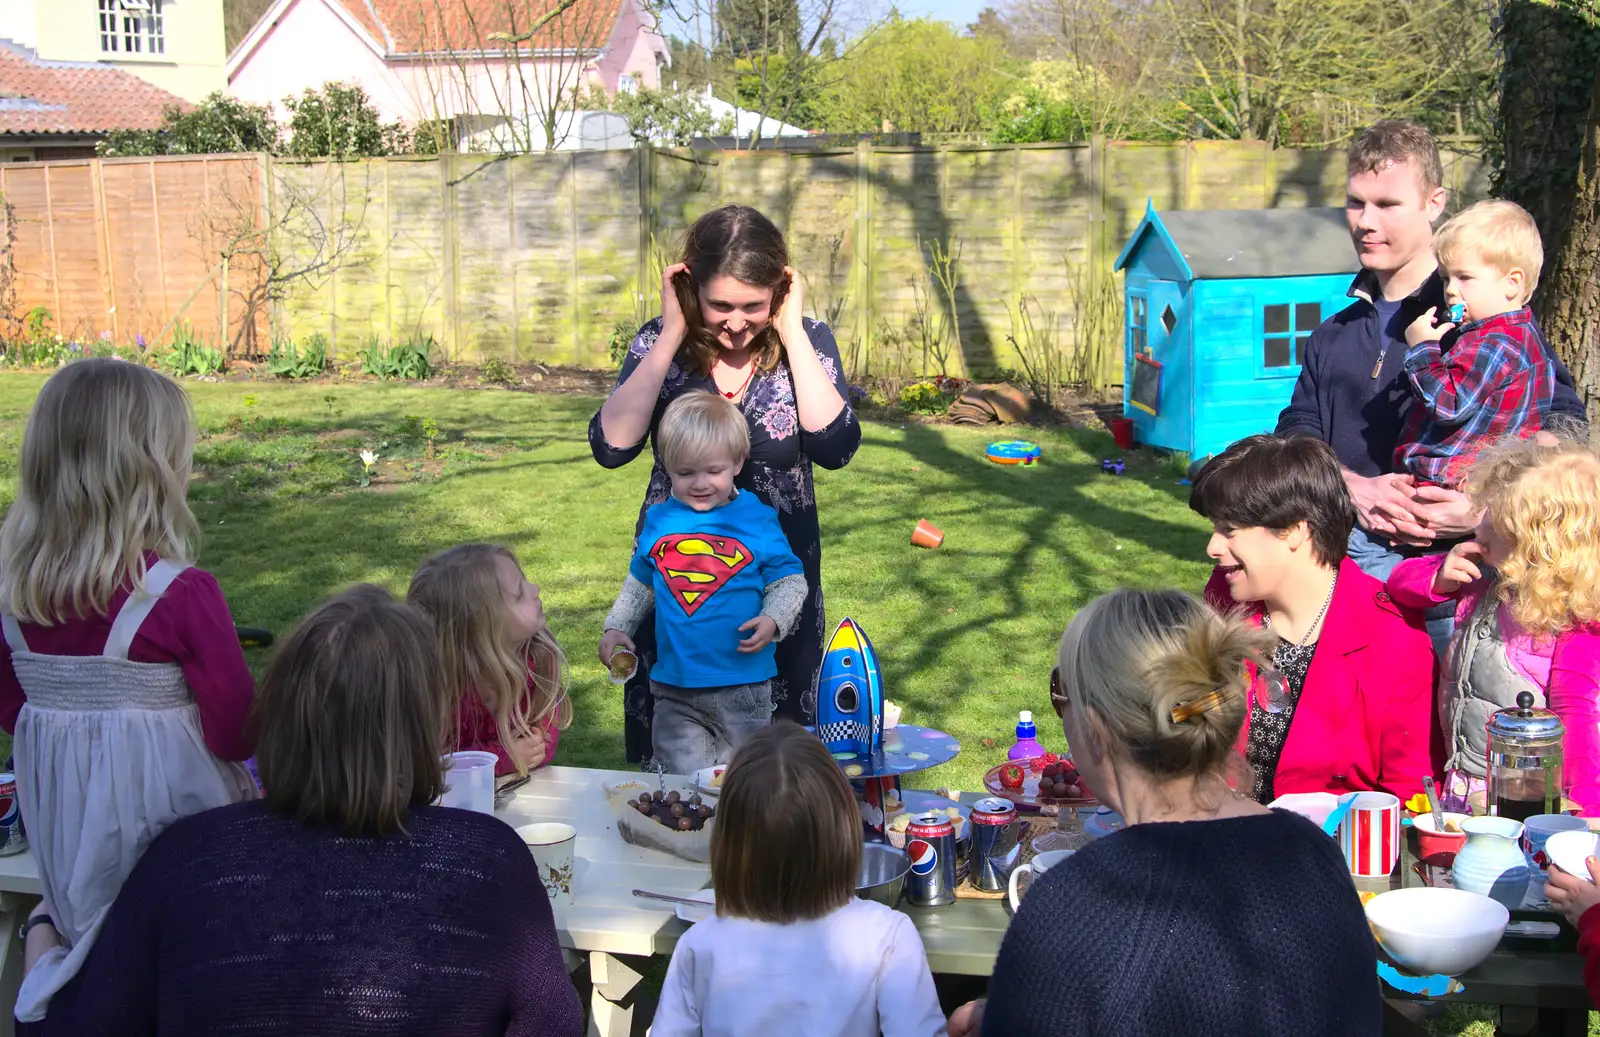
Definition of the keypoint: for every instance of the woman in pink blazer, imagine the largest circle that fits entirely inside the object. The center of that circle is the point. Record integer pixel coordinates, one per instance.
(1349, 706)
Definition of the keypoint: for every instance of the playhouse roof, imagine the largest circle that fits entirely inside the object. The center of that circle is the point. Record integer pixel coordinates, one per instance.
(1230, 243)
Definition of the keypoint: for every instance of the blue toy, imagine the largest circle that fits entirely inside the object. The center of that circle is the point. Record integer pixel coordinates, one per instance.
(1014, 452)
(1110, 467)
(850, 693)
(1458, 312)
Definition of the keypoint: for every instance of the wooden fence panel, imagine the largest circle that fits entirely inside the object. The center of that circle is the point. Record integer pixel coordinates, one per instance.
(540, 256)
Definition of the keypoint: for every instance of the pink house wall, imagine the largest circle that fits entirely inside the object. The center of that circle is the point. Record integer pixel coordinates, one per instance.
(633, 52)
(312, 43)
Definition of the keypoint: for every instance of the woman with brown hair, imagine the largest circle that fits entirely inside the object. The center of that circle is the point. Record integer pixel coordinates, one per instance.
(342, 903)
(1209, 914)
(732, 323)
(1349, 707)
(792, 950)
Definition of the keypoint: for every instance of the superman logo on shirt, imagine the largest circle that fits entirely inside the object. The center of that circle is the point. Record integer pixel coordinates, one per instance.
(696, 566)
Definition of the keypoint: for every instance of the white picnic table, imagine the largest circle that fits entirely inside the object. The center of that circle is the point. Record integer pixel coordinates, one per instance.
(606, 923)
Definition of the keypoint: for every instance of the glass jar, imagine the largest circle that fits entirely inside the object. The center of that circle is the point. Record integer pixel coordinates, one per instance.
(1524, 768)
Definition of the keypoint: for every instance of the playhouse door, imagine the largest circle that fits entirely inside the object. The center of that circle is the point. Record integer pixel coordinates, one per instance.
(1159, 399)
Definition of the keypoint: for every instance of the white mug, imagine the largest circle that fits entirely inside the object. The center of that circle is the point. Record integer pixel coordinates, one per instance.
(551, 844)
(1041, 863)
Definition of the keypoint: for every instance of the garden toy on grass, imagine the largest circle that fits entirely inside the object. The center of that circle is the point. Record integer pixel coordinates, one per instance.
(1110, 467)
(926, 535)
(1014, 452)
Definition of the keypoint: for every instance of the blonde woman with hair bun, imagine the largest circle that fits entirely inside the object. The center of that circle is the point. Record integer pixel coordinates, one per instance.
(122, 677)
(1526, 589)
(1212, 914)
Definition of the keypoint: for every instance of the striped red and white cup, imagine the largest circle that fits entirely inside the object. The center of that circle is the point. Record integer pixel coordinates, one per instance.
(1370, 834)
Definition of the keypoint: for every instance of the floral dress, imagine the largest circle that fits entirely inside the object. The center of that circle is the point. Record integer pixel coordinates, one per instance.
(779, 473)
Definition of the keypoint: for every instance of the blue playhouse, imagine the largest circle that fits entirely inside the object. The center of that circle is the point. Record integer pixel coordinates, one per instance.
(1219, 308)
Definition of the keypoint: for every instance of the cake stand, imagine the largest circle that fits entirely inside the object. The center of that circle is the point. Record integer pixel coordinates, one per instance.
(906, 749)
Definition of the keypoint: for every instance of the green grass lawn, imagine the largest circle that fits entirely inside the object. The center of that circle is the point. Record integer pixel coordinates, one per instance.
(966, 633)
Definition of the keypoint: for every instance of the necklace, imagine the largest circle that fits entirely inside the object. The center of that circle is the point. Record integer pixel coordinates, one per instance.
(751, 373)
(1266, 616)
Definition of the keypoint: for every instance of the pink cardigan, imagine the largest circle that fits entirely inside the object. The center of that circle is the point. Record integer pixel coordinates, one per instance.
(1365, 718)
(1574, 690)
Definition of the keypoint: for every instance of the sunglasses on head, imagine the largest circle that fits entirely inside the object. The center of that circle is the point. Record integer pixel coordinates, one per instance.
(1058, 698)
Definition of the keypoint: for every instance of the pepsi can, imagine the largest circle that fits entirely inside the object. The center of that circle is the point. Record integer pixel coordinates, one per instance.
(995, 848)
(931, 845)
(13, 839)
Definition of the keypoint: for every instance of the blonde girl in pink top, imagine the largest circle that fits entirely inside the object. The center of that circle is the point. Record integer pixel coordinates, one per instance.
(1527, 594)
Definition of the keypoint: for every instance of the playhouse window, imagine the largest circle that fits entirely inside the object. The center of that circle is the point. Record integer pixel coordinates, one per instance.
(1169, 320)
(1137, 314)
(1286, 331)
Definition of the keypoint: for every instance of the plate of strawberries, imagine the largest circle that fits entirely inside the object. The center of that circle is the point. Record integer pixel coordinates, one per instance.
(1048, 780)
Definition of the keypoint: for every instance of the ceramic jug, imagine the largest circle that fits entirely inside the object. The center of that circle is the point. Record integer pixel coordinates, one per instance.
(1492, 862)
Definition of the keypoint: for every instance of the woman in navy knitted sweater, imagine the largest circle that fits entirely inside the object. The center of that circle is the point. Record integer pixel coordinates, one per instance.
(342, 904)
(1209, 914)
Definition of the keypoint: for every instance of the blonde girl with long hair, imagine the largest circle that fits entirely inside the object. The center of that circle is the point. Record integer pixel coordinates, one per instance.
(507, 674)
(121, 675)
(1527, 594)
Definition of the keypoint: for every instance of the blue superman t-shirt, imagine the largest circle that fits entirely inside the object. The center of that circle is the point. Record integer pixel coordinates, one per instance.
(709, 570)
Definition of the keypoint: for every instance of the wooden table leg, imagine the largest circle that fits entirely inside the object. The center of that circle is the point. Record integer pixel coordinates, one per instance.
(14, 907)
(613, 982)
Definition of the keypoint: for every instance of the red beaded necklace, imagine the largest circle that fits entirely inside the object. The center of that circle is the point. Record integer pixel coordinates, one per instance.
(742, 385)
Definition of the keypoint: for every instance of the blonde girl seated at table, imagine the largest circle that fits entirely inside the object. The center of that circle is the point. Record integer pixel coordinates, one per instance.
(792, 950)
(1527, 594)
(121, 675)
(507, 675)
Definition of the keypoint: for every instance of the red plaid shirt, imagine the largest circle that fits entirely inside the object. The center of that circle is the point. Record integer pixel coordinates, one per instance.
(1494, 380)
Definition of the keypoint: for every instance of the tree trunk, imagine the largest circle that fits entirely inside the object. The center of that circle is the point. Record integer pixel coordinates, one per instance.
(1568, 303)
(1550, 51)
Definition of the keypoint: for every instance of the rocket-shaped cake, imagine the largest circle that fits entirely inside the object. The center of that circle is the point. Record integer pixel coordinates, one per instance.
(850, 693)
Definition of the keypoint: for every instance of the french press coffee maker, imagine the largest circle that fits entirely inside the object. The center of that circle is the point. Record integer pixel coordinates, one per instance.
(1525, 775)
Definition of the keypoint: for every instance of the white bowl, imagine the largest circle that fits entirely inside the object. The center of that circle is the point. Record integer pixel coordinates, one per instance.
(1570, 851)
(690, 914)
(1430, 930)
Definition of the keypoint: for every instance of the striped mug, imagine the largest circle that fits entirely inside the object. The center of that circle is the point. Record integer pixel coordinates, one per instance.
(1370, 834)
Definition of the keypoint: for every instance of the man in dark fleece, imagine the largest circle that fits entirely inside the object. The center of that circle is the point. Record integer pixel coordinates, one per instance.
(1352, 392)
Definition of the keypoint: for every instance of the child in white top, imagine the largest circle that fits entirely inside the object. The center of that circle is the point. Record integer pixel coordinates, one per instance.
(133, 690)
(792, 951)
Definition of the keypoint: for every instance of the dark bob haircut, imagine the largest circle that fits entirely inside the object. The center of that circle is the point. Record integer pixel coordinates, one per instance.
(1276, 482)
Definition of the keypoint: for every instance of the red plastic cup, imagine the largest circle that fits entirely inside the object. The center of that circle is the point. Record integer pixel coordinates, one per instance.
(1122, 432)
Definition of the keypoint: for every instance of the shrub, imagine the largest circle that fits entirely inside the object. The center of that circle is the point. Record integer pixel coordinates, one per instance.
(289, 361)
(622, 334)
(408, 361)
(189, 355)
(497, 372)
(928, 397)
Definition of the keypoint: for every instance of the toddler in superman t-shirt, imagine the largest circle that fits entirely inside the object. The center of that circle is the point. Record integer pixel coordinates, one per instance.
(716, 568)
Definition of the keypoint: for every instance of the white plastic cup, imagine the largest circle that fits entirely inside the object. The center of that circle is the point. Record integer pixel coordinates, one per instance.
(469, 781)
(551, 844)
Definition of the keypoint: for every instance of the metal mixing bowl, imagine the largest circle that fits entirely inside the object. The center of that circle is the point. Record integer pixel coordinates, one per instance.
(883, 873)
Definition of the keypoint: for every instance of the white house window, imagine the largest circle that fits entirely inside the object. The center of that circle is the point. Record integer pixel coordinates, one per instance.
(627, 84)
(1286, 331)
(1136, 324)
(131, 27)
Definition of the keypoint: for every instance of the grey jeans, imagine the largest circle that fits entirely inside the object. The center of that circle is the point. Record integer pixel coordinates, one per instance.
(698, 727)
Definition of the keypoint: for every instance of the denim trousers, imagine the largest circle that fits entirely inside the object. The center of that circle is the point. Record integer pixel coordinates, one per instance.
(1377, 556)
(699, 727)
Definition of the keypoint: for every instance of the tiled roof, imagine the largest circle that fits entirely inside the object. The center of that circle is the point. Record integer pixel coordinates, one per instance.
(39, 96)
(436, 26)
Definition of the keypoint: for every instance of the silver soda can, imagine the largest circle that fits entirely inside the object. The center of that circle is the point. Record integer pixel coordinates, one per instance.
(995, 845)
(13, 839)
(931, 845)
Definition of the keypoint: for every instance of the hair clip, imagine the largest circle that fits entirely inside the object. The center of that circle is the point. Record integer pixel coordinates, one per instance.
(1189, 710)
